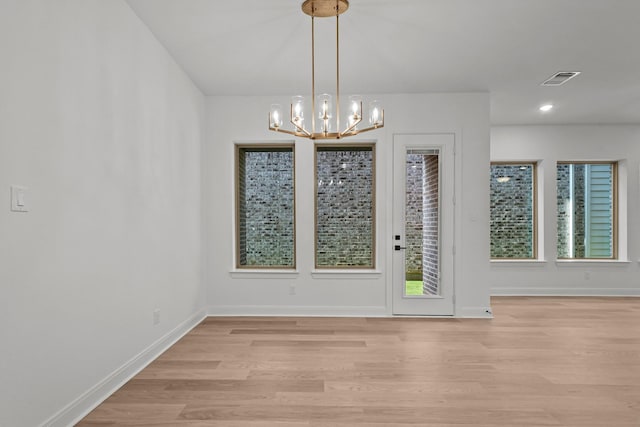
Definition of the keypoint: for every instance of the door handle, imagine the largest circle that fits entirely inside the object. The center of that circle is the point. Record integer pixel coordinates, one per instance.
(398, 247)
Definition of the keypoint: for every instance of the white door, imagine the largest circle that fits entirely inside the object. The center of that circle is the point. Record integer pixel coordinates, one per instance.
(423, 224)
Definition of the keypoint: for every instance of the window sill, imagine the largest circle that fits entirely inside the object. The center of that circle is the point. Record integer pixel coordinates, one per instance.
(518, 262)
(346, 274)
(262, 273)
(594, 262)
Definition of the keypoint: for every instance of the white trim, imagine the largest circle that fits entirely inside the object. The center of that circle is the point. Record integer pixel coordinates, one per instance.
(518, 263)
(623, 212)
(540, 217)
(263, 274)
(312, 311)
(90, 399)
(567, 292)
(475, 313)
(282, 142)
(345, 274)
(592, 262)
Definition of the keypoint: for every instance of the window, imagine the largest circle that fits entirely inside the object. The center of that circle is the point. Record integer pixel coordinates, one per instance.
(345, 206)
(587, 223)
(265, 225)
(422, 221)
(513, 211)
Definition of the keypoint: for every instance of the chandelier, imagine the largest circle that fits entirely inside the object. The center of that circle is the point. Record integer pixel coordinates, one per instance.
(323, 119)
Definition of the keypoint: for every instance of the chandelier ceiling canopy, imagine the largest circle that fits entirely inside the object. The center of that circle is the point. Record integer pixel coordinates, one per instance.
(324, 123)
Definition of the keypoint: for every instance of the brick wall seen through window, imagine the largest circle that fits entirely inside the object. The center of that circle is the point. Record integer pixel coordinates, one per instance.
(345, 206)
(265, 214)
(512, 216)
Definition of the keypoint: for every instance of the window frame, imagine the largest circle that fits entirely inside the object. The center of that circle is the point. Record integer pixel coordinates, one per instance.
(265, 147)
(534, 207)
(342, 146)
(615, 213)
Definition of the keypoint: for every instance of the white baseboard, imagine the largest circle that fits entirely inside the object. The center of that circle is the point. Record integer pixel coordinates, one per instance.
(89, 400)
(475, 312)
(567, 292)
(320, 311)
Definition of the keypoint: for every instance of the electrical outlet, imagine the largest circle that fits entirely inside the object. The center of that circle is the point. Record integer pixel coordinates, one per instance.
(292, 289)
(156, 316)
(587, 275)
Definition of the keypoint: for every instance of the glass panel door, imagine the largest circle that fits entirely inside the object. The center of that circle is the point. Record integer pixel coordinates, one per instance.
(423, 218)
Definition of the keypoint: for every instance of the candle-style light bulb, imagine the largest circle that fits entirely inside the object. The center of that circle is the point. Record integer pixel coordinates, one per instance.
(355, 112)
(298, 110)
(324, 106)
(355, 102)
(276, 116)
(375, 113)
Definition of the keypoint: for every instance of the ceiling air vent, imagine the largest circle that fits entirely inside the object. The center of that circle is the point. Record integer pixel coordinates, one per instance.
(560, 78)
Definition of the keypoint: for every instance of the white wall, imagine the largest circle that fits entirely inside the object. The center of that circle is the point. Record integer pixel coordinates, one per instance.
(105, 130)
(244, 119)
(547, 145)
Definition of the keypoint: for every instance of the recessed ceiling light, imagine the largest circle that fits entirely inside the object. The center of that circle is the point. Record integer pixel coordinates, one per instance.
(546, 108)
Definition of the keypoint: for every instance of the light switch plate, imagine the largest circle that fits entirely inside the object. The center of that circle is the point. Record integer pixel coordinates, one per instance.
(19, 199)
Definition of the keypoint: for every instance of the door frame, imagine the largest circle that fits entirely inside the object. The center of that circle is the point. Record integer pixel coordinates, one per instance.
(453, 202)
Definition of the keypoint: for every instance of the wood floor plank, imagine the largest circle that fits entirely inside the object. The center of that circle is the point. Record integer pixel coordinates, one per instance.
(307, 343)
(300, 386)
(542, 361)
(152, 412)
(197, 423)
(274, 413)
(281, 331)
(196, 374)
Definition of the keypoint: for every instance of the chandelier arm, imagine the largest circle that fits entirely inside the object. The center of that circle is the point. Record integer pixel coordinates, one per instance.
(301, 132)
(359, 131)
(350, 130)
(366, 129)
(300, 129)
(374, 127)
(328, 135)
(353, 125)
(288, 132)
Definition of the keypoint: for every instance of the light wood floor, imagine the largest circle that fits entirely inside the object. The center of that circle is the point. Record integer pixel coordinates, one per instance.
(540, 362)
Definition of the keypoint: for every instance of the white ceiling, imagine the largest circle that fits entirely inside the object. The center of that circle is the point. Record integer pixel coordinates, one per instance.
(505, 47)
